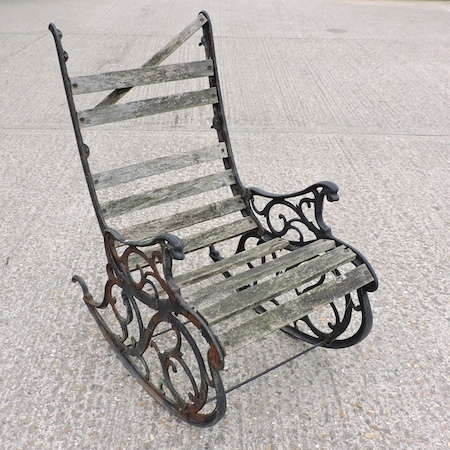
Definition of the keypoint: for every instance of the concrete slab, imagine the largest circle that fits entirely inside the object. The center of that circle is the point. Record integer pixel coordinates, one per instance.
(357, 92)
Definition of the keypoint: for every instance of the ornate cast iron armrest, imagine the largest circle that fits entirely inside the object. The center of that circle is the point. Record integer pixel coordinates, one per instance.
(297, 214)
(171, 248)
(330, 189)
(119, 266)
(173, 243)
(307, 206)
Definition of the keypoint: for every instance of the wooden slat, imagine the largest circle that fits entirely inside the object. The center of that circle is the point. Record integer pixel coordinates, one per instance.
(267, 290)
(219, 267)
(168, 193)
(218, 234)
(185, 219)
(159, 57)
(139, 77)
(272, 267)
(174, 43)
(263, 324)
(159, 165)
(201, 240)
(141, 108)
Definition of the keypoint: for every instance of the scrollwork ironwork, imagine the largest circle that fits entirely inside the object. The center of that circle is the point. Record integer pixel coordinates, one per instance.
(294, 214)
(173, 353)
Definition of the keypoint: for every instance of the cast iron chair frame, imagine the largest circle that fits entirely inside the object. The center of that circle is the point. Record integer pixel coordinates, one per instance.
(171, 309)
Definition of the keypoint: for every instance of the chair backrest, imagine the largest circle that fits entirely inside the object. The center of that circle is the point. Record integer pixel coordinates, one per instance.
(150, 191)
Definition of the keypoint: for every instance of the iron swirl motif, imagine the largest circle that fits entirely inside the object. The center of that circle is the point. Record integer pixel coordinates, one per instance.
(165, 344)
(299, 214)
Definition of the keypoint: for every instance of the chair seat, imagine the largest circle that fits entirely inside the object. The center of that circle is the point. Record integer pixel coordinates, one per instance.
(224, 303)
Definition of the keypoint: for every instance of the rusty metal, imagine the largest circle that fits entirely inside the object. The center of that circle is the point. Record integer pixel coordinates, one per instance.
(143, 304)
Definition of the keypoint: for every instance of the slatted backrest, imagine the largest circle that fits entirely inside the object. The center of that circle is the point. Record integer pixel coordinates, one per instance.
(114, 113)
(152, 72)
(188, 194)
(186, 191)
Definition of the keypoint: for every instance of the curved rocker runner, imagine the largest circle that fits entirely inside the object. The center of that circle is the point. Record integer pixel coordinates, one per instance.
(199, 266)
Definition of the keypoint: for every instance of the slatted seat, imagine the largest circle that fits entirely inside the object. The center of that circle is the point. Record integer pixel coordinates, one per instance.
(199, 265)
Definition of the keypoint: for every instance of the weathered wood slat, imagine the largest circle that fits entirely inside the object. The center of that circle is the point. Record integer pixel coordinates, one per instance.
(139, 77)
(158, 166)
(202, 240)
(168, 193)
(141, 108)
(218, 234)
(202, 273)
(272, 267)
(185, 219)
(267, 290)
(159, 57)
(263, 324)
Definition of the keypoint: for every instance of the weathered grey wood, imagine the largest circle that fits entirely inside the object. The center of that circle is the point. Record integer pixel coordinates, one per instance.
(261, 325)
(139, 77)
(271, 267)
(202, 240)
(185, 219)
(141, 108)
(168, 193)
(202, 273)
(159, 57)
(222, 309)
(218, 234)
(158, 166)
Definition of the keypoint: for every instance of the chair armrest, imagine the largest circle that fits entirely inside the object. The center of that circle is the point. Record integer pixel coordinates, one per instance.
(298, 215)
(173, 243)
(135, 254)
(329, 189)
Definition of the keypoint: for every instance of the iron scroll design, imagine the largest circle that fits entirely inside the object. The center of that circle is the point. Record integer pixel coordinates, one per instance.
(164, 343)
(298, 217)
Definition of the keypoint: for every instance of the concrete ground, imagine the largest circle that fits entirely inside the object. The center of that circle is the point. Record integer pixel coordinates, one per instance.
(354, 91)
